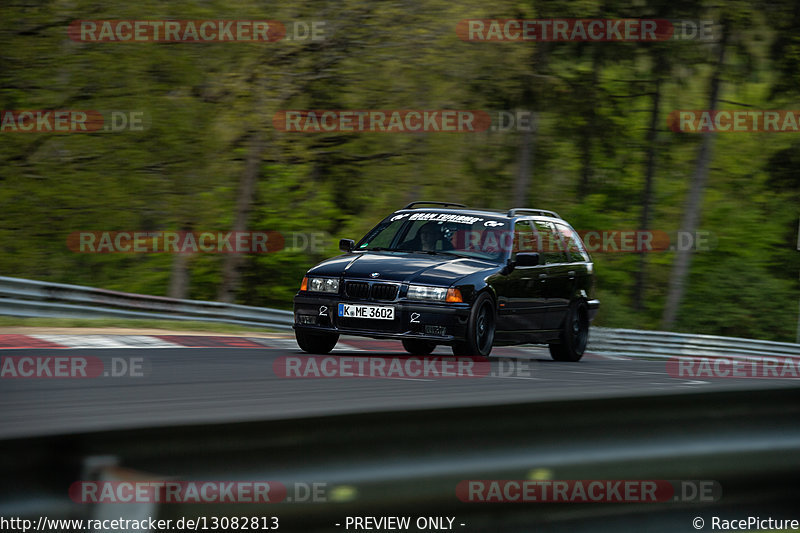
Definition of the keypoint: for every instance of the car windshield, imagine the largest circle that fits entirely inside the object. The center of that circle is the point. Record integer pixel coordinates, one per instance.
(433, 232)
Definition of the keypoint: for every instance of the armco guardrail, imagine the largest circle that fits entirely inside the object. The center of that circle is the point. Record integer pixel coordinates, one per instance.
(28, 298)
(410, 462)
(662, 344)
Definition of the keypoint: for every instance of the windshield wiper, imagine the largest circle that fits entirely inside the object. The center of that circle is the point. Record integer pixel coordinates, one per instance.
(384, 249)
(466, 255)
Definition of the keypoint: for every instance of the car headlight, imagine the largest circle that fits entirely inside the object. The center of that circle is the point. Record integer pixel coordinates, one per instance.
(423, 292)
(434, 294)
(323, 285)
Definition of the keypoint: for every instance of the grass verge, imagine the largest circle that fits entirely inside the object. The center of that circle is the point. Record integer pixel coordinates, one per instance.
(131, 323)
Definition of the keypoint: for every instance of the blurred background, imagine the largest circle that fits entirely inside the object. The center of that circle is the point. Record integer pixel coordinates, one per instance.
(600, 151)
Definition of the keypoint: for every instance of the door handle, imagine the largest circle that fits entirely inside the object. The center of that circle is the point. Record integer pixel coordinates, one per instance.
(542, 276)
(571, 273)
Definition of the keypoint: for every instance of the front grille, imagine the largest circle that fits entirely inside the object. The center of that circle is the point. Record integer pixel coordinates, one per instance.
(357, 289)
(384, 291)
(363, 290)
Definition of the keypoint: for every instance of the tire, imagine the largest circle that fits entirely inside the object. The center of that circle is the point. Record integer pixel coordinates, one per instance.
(480, 329)
(316, 343)
(574, 334)
(418, 347)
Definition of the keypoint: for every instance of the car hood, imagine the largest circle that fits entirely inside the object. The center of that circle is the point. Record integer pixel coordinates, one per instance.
(401, 266)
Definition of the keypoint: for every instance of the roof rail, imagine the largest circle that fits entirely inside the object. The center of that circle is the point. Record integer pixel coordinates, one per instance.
(514, 211)
(444, 204)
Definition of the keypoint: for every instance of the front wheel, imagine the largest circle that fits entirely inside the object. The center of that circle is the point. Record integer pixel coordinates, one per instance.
(418, 347)
(574, 334)
(316, 343)
(480, 329)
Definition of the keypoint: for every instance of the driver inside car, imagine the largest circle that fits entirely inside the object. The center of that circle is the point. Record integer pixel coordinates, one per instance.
(428, 236)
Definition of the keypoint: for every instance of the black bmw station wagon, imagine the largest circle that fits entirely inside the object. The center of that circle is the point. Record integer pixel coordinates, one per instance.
(438, 273)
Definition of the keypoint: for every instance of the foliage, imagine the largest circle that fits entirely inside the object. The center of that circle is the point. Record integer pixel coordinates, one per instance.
(205, 103)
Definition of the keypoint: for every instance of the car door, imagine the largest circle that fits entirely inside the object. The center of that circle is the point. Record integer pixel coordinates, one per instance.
(559, 275)
(520, 293)
(579, 260)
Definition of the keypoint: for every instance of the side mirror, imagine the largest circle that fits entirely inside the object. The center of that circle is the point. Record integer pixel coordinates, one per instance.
(347, 245)
(527, 259)
(509, 268)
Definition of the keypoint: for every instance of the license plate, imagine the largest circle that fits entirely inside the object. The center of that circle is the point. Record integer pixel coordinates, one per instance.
(378, 312)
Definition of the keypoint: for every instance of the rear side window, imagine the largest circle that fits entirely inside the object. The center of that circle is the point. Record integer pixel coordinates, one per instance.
(524, 238)
(551, 247)
(576, 252)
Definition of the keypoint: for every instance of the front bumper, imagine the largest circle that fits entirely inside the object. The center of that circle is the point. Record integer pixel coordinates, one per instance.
(438, 322)
(594, 306)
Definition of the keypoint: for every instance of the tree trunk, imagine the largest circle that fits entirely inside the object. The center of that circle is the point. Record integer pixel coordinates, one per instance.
(526, 153)
(231, 276)
(179, 277)
(694, 200)
(525, 158)
(647, 192)
(587, 139)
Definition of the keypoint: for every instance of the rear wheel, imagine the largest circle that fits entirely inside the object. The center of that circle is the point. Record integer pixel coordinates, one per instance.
(418, 347)
(574, 334)
(317, 343)
(480, 329)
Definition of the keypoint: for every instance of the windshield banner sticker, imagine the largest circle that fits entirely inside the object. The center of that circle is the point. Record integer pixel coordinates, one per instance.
(445, 217)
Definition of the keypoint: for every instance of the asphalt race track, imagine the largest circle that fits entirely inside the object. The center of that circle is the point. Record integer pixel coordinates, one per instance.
(197, 407)
(184, 386)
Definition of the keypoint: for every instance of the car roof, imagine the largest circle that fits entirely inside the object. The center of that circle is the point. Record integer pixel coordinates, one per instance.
(514, 213)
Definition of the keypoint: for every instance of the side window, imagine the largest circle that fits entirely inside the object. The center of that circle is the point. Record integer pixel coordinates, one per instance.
(576, 252)
(551, 247)
(524, 238)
